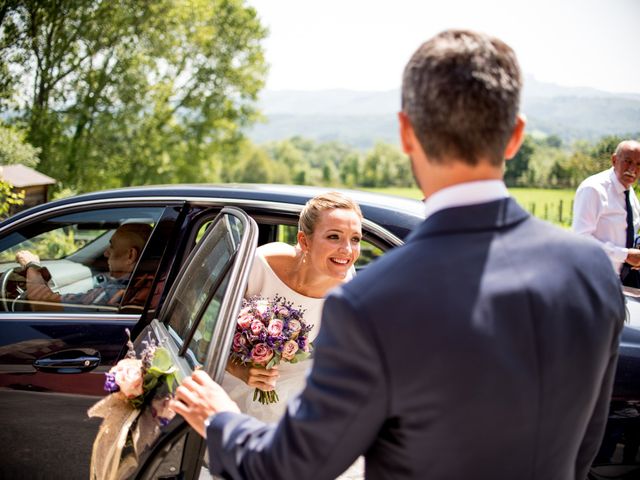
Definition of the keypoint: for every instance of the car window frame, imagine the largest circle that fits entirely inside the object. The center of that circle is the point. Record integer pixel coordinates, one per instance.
(165, 215)
(217, 353)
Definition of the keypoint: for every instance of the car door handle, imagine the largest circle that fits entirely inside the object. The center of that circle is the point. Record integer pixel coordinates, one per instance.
(68, 361)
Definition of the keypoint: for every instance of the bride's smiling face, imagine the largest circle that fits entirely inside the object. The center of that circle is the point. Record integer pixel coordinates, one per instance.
(334, 245)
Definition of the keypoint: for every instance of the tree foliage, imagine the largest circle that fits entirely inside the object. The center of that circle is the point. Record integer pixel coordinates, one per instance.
(15, 149)
(128, 92)
(9, 198)
(517, 171)
(543, 162)
(334, 164)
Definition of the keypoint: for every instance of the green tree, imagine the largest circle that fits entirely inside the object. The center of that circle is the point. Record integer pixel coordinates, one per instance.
(14, 148)
(288, 156)
(384, 166)
(350, 169)
(517, 169)
(601, 152)
(9, 198)
(122, 92)
(256, 166)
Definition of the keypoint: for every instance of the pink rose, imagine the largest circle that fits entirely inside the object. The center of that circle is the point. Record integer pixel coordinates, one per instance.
(283, 312)
(261, 354)
(239, 342)
(262, 306)
(289, 350)
(256, 327)
(275, 327)
(244, 320)
(294, 327)
(128, 373)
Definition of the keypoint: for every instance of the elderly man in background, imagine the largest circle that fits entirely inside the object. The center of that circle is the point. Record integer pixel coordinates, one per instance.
(606, 208)
(123, 252)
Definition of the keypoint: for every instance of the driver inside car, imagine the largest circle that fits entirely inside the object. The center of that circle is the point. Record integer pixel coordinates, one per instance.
(123, 252)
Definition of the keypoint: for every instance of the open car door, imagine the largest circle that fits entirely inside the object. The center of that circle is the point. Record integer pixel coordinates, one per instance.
(196, 326)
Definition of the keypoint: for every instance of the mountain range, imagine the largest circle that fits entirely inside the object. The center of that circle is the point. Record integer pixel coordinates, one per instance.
(360, 119)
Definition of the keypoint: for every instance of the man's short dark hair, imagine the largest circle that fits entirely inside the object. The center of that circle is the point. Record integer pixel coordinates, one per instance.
(461, 92)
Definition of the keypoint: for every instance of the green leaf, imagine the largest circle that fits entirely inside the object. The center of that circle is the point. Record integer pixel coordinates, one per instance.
(300, 355)
(162, 361)
(273, 362)
(150, 382)
(171, 381)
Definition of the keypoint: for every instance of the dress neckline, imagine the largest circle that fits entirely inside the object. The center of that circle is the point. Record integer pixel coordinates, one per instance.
(279, 280)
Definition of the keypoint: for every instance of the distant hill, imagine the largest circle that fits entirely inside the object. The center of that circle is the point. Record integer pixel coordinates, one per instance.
(362, 118)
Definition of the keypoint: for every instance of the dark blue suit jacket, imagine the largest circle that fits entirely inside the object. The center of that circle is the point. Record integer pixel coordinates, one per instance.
(484, 348)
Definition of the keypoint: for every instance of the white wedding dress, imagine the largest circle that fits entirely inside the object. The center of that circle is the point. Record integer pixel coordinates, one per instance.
(264, 282)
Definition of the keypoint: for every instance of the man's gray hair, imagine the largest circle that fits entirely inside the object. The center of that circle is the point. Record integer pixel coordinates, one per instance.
(623, 145)
(461, 92)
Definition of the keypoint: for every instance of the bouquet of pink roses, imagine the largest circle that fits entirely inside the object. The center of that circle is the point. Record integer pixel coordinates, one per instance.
(269, 331)
(136, 378)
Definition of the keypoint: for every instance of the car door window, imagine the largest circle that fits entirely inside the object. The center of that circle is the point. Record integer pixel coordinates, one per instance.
(194, 308)
(84, 266)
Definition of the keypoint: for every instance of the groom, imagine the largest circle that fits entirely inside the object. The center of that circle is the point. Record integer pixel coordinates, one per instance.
(483, 348)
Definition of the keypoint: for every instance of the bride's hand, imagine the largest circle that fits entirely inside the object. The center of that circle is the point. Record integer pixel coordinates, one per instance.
(255, 377)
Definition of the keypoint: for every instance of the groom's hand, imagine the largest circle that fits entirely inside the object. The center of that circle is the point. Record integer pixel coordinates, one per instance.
(198, 397)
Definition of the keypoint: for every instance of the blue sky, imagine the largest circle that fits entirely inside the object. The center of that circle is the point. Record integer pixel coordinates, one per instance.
(364, 44)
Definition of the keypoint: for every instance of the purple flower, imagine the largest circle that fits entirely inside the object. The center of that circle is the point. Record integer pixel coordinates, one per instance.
(110, 384)
(163, 421)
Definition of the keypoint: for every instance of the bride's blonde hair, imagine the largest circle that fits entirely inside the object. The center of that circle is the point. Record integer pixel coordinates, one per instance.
(318, 204)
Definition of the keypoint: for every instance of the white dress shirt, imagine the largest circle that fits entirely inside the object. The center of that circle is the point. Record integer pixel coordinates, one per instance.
(599, 212)
(463, 194)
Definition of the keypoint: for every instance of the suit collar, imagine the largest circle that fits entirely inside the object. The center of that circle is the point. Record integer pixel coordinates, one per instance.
(494, 215)
(467, 193)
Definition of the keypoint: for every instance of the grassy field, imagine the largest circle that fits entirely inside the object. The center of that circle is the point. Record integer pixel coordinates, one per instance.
(552, 205)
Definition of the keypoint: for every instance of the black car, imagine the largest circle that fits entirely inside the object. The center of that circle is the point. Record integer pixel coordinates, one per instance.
(193, 272)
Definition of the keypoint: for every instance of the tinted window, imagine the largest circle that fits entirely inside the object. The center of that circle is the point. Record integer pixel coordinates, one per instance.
(202, 288)
(72, 247)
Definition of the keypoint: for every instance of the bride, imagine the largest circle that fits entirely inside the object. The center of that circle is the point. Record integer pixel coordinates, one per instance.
(329, 235)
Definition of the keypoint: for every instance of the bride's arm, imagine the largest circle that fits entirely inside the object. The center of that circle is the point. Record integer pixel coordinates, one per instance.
(255, 377)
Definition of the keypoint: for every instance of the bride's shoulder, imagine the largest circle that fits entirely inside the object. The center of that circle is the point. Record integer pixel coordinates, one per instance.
(277, 254)
(276, 249)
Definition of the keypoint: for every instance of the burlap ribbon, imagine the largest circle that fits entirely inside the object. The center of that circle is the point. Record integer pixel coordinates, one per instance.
(120, 418)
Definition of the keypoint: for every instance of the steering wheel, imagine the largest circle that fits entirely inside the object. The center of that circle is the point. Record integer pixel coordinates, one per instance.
(13, 287)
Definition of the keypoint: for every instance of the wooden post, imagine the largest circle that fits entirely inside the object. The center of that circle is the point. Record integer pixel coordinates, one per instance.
(560, 211)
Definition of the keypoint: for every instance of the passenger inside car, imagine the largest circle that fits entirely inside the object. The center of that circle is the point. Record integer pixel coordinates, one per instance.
(123, 252)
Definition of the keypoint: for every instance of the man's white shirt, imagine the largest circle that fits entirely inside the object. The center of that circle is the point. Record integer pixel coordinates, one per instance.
(599, 212)
(464, 194)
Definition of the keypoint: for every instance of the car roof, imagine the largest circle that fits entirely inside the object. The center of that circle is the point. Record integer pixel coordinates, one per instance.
(389, 210)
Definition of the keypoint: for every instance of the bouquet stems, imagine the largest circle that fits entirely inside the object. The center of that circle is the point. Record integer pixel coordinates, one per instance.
(265, 398)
